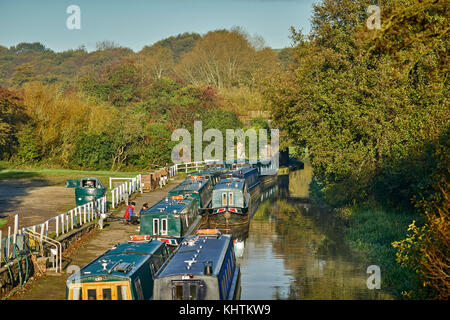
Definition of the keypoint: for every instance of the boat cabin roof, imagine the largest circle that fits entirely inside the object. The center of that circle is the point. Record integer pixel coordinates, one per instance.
(120, 261)
(168, 205)
(190, 185)
(230, 183)
(194, 251)
(244, 171)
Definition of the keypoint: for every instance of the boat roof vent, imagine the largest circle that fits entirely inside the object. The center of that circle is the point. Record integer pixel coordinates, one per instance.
(123, 267)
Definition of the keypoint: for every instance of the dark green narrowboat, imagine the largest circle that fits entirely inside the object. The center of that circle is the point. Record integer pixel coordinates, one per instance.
(125, 272)
(86, 189)
(170, 219)
(194, 187)
(212, 174)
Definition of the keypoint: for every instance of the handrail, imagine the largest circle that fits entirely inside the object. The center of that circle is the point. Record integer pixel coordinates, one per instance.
(53, 242)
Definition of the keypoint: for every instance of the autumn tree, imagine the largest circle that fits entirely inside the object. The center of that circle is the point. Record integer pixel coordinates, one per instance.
(11, 117)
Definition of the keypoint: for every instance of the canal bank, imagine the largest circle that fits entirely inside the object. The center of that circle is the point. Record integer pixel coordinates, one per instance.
(296, 249)
(52, 287)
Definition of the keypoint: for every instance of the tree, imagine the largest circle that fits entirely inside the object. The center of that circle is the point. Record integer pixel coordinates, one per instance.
(155, 62)
(12, 115)
(222, 59)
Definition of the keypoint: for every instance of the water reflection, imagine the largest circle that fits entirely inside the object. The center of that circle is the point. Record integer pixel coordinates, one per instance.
(293, 249)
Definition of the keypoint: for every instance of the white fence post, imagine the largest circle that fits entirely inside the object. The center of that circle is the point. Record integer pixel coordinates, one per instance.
(16, 228)
(57, 226)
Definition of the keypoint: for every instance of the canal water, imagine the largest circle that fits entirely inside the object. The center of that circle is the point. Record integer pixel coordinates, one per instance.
(293, 249)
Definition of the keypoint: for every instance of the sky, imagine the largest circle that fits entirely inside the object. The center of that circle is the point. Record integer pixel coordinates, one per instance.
(137, 23)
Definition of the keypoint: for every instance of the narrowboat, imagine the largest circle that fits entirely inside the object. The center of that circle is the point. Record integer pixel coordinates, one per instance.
(86, 189)
(170, 219)
(203, 267)
(194, 187)
(212, 174)
(230, 202)
(249, 174)
(125, 272)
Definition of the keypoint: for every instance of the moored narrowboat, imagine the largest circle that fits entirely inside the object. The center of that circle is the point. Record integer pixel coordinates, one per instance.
(230, 202)
(195, 187)
(203, 267)
(125, 272)
(212, 174)
(170, 219)
(249, 174)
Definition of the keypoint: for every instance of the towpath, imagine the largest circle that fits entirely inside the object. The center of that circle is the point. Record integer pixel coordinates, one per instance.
(52, 287)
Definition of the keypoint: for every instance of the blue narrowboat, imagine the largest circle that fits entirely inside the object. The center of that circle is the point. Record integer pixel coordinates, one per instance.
(125, 272)
(171, 219)
(230, 202)
(203, 267)
(249, 174)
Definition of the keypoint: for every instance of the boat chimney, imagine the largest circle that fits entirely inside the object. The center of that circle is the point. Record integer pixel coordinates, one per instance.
(208, 268)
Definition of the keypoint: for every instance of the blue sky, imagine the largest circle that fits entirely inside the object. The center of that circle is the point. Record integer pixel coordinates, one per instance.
(136, 23)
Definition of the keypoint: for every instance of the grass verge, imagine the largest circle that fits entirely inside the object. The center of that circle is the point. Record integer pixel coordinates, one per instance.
(371, 233)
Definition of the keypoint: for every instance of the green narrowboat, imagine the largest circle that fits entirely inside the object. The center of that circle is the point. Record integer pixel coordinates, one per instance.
(170, 219)
(212, 174)
(230, 202)
(194, 187)
(125, 272)
(86, 189)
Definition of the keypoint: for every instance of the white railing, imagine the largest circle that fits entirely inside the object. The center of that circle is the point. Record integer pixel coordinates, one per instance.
(63, 223)
(128, 187)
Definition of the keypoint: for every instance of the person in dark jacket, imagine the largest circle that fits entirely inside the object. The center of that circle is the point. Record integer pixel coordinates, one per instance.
(144, 208)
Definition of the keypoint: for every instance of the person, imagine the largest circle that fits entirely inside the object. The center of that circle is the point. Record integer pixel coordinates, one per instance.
(144, 208)
(130, 215)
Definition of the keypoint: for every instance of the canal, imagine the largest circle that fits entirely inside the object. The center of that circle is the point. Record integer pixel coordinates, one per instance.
(293, 249)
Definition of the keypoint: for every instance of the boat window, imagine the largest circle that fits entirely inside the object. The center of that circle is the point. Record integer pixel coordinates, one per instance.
(122, 293)
(155, 226)
(224, 199)
(106, 293)
(178, 292)
(193, 291)
(164, 226)
(92, 294)
(138, 286)
(230, 199)
(76, 292)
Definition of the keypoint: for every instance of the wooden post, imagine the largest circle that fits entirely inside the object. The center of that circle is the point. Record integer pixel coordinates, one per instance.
(71, 219)
(84, 212)
(62, 223)
(1, 251)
